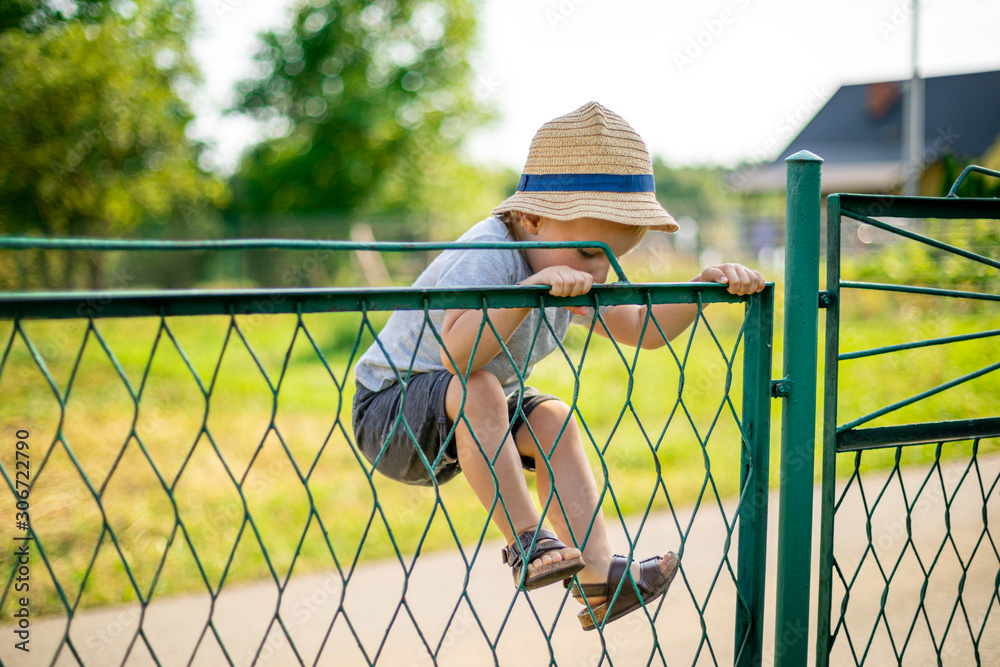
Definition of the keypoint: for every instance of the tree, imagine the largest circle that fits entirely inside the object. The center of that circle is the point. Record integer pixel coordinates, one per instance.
(690, 191)
(33, 16)
(91, 122)
(365, 99)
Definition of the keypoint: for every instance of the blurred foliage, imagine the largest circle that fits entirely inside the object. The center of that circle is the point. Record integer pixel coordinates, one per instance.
(366, 104)
(886, 258)
(91, 121)
(900, 261)
(34, 16)
(975, 185)
(702, 195)
(698, 192)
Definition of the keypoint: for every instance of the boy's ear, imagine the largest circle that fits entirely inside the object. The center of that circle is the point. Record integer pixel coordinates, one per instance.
(530, 222)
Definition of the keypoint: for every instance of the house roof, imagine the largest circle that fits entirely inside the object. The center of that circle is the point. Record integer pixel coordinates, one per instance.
(858, 133)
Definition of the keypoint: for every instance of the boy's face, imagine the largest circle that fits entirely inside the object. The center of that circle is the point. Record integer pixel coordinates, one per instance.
(622, 239)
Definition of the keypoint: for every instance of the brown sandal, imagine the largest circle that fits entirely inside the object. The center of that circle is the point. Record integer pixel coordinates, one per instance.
(652, 584)
(544, 574)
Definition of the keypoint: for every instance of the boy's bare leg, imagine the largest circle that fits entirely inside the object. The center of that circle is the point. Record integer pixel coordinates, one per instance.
(486, 410)
(576, 487)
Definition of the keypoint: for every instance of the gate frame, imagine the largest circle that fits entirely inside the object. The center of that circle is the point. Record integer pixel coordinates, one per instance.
(847, 438)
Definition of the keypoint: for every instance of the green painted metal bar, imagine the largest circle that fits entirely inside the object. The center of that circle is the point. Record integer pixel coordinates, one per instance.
(824, 594)
(926, 240)
(953, 192)
(798, 414)
(918, 434)
(63, 305)
(32, 243)
(928, 291)
(875, 351)
(752, 545)
(968, 377)
(944, 208)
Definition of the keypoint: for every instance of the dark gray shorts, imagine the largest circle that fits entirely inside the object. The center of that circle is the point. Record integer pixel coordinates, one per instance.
(380, 428)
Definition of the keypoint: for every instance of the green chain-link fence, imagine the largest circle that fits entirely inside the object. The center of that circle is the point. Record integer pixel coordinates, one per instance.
(921, 586)
(192, 492)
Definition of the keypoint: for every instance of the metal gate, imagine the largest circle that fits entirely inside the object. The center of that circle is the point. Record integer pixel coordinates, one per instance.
(907, 593)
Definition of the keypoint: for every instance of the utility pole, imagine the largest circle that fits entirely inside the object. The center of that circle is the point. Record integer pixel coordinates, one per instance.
(913, 119)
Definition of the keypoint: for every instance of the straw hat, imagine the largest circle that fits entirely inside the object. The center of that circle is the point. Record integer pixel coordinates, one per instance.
(589, 163)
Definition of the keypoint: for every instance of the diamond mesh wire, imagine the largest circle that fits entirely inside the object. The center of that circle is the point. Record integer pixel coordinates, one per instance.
(923, 586)
(191, 455)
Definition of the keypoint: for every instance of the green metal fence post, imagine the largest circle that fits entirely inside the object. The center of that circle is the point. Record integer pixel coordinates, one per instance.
(798, 414)
(752, 569)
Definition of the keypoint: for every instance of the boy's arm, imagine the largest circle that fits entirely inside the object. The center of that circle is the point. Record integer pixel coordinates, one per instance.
(625, 322)
(461, 328)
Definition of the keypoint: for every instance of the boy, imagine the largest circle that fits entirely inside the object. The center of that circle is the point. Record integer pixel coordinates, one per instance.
(588, 177)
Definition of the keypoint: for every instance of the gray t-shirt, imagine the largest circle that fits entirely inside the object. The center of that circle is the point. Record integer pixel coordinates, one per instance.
(407, 329)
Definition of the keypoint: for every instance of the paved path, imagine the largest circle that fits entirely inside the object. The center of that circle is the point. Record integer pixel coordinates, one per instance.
(173, 626)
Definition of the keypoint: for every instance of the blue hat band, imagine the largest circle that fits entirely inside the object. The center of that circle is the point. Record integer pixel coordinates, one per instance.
(586, 183)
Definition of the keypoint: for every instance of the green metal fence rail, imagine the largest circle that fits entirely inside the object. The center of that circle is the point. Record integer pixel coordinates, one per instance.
(908, 626)
(176, 445)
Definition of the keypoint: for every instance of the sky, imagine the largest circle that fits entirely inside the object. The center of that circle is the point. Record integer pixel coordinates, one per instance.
(704, 83)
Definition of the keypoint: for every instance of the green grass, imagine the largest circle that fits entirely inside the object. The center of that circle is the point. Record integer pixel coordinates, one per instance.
(238, 485)
(873, 320)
